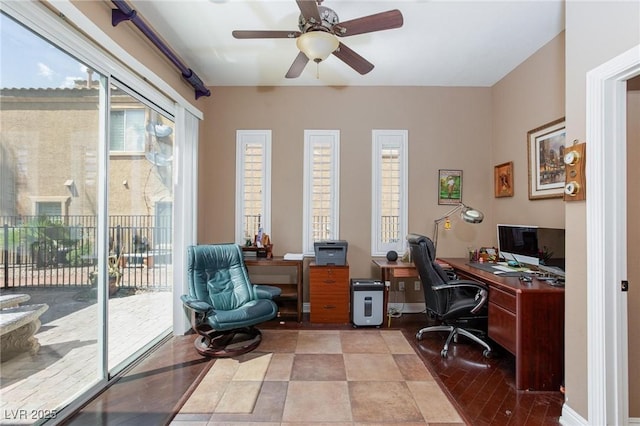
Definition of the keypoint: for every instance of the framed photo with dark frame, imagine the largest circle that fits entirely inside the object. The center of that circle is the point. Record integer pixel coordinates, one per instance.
(545, 152)
(503, 180)
(449, 186)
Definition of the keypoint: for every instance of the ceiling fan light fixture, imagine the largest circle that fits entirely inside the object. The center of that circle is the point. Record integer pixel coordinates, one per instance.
(317, 45)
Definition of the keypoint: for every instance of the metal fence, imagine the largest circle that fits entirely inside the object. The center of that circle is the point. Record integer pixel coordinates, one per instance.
(61, 250)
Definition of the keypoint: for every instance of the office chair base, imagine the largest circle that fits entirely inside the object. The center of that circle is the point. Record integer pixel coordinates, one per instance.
(228, 343)
(454, 332)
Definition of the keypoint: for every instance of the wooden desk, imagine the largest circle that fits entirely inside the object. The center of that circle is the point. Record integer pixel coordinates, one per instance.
(527, 319)
(389, 271)
(397, 269)
(286, 274)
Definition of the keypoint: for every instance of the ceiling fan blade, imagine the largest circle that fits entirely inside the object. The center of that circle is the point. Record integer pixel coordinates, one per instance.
(265, 34)
(352, 59)
(298, 66)
(367, 24)
(309, 9)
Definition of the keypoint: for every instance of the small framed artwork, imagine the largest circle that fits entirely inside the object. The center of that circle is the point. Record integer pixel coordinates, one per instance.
(449, 186)
(545, 151)
(503, 180)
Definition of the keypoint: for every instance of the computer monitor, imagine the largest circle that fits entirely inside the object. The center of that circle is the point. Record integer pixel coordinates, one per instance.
(532, 245)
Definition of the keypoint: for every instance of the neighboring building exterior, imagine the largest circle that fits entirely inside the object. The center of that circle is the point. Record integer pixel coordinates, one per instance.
(40, 127)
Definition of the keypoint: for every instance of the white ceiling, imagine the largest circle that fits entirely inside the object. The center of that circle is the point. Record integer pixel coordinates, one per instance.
(442, 42)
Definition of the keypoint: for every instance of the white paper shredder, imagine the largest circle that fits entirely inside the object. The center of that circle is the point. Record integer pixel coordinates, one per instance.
(367, 299)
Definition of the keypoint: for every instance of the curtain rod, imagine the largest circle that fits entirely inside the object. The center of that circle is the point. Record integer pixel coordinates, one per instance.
(125, 13)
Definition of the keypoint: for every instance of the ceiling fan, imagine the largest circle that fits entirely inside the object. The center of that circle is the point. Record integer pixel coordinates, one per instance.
(319, 31)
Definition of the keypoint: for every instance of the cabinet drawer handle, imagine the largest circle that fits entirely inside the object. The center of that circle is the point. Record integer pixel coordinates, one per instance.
(329, 307)
(329, 281)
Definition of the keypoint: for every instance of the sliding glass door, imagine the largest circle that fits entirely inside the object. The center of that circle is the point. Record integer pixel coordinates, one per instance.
(86, 226)
(140, 228)
(49, 186)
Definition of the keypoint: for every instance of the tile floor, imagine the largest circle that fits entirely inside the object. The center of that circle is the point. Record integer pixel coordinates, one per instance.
(321, 376)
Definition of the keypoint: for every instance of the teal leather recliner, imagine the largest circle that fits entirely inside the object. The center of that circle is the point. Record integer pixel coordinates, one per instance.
(223, 304)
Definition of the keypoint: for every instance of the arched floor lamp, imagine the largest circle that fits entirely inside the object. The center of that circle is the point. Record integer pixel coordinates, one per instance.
(468, 214)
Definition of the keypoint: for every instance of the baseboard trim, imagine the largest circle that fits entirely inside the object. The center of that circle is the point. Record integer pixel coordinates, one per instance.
(570, 417)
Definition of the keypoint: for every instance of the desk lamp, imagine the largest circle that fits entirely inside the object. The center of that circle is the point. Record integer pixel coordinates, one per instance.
(468, 214)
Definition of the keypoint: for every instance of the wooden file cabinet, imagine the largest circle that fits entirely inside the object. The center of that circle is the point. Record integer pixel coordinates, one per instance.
(329, 293)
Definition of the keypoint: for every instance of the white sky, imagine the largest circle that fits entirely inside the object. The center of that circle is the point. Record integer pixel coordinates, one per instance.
(27, 61)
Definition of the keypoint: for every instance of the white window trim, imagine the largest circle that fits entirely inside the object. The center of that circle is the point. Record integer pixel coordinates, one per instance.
(243, 138)
(310, 139)
(381, 139)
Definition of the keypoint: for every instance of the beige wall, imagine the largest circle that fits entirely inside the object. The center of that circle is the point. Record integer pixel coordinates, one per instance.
(527, 98)
(448, 128)
(595, 33)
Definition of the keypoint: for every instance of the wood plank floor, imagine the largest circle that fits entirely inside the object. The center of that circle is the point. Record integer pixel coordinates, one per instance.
(482, 389)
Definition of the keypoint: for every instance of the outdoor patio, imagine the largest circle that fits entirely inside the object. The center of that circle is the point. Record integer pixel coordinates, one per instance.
(35, 386)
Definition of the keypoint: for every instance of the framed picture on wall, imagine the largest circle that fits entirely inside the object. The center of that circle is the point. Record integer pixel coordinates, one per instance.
(449, 186)
(545, 151)
(503, 180)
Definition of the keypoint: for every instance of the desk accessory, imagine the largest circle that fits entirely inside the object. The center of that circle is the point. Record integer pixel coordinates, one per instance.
(468, 214)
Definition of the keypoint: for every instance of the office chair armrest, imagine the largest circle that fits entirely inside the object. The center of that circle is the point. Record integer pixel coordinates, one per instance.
(266, 291)
(451, 274)
(482, 294)
(196, 305)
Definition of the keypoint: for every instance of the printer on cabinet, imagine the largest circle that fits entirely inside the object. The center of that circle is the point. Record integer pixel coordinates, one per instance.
(331, 252)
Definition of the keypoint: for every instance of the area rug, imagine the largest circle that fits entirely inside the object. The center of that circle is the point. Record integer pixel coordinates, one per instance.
(321, 376)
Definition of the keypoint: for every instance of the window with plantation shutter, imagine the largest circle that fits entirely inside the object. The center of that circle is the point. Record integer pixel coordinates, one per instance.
(321, 187)
(389, 191)
(253, 183)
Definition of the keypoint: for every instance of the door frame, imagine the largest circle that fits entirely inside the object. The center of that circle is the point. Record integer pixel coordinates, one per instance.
(606, 212)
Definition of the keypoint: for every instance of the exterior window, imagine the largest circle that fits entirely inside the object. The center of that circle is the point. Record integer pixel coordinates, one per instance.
(321, 187)
(127, 130)
(48, 208)
(253, 183)
(54, 207)
(389, 191)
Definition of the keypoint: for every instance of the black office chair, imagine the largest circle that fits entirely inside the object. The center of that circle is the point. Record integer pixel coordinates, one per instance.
(460, 306)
